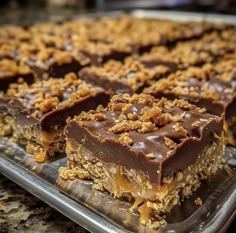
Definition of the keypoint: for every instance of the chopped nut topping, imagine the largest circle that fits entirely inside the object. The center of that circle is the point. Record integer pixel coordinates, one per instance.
(180, 129)
(195, 124)
(47, 104)
(126, 139)
(167, 179)
(170, 143)
(169, 153)
(197, 82)
(91, 115)
(46, 95)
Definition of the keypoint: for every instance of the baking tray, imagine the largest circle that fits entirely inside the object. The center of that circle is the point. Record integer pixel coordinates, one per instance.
(100, 212)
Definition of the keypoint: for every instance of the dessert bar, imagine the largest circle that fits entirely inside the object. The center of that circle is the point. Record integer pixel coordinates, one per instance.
(209, 49)
(13, 72)
(153, 152)
(50, 62)
(212, 87)
(128, 77)
(35, 115)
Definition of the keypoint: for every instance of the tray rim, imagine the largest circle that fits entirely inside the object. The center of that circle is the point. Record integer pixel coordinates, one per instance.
(51, 195)
(94, 221)
(185, 16)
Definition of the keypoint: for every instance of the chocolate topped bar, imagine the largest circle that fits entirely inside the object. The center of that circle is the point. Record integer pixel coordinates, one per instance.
(211, 87)
(209, 49)
(13, 72)
(50, 62)
(154, 152)
(204, 86)
(99, 53)
(128, 77)
(146, 134)
(38, 113)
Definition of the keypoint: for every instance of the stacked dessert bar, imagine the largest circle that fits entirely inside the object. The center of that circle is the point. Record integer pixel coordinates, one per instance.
(154, 152)
(143, 107)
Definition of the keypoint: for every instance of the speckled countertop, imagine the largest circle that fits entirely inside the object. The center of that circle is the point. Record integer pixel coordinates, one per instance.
(22, 212)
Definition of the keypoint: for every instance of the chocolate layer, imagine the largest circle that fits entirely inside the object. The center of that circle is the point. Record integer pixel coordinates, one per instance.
(55, 63)
(208, 87)
(6, 81)
(130, 76)
(54, 69)
(29, 107)
(173, 134)
(14, 72)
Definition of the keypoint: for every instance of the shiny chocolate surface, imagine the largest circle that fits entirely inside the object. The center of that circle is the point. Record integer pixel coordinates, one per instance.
(197, 130)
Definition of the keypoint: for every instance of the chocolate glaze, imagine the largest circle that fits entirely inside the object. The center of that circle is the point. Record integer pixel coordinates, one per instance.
(54, 69)
(105, 145)
(116, 86)
(153, 63)
(100, 59)
(6, 81)
(214, 106)
(121, 85)
(58, 117)
(57, 70)
(22, 111)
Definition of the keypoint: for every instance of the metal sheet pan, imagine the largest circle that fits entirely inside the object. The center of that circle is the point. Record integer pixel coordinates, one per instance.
(100, 212)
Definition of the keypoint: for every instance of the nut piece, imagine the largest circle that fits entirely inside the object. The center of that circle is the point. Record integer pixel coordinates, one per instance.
(150, 156)
(126, 139)
(177, 127)
(170, 143)
(198, 201)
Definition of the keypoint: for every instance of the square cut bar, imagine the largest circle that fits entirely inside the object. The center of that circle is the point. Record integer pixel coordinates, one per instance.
(13, 72)
(208, 49)
(35, 115)
(131, 76)
(212, 87)
(154, 152)
(51, 62)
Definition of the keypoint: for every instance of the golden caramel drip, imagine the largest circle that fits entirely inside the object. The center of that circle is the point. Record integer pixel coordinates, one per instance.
(46, 139)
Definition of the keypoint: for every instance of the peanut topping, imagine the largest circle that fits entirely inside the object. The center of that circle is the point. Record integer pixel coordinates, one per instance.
(180, 129)
(126, 139)
(131, 72)
(128, 116)
(47, 95)
(170, 143)
(11, 68)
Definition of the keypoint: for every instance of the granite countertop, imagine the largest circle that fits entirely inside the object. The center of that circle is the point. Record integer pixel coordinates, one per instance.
(22, 212)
